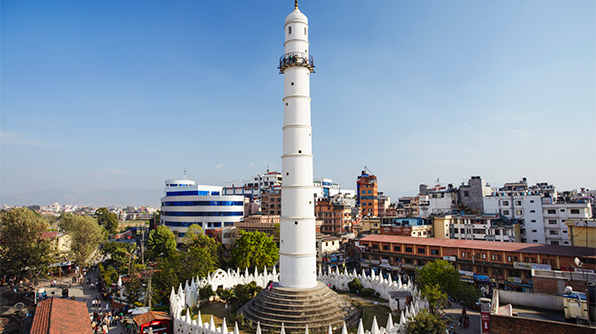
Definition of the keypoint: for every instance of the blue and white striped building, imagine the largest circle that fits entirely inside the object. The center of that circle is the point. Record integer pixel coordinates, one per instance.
(185, 204)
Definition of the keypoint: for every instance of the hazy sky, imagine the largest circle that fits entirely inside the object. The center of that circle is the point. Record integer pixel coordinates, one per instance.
(125, 94)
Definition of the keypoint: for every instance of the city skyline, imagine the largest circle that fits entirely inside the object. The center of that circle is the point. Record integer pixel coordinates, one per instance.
(115, 95)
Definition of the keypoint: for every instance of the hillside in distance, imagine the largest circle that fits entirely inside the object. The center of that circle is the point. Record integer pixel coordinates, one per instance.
(94, 198)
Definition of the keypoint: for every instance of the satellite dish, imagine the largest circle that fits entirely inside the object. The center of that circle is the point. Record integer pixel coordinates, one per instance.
(578, 262)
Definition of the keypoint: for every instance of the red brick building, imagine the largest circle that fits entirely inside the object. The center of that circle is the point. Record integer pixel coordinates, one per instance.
(271, 203)
(336, 218)
(507, 265)
(367, 195)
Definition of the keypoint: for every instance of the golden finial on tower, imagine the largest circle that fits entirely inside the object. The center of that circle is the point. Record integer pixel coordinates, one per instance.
(295, 4)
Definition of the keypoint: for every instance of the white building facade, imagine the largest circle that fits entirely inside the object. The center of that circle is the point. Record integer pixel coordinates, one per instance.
(522, 209)
(555, 215)
(185, 204)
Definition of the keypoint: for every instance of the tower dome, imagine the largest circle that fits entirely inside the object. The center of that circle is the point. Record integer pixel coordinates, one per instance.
(296, 16)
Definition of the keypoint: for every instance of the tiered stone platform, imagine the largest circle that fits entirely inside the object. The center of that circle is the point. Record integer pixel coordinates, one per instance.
(318, 307)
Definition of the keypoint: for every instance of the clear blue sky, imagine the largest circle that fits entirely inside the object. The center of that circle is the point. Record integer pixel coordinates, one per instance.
(125, 94)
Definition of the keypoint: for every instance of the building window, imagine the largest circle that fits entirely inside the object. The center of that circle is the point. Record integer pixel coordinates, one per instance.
(397, 248)
(408, 261)
(575, 211)
(421, 251)
(497, 232)
(552, 221)
(482, 270)
(551, 211)
(408, 249)
(554, 242)
(553, 232)
(385, 247)
(465, 254)
(375, 247)
(506, 212)
(562, 210)
(478, 231)
(481, 255)
(289, 30)
(518, 203)
(434, 252)
(466, 267)
(495, 257)
(514, 273)
(532, 211)
(466, 193)
(497, 272)
(504, 203)
(519, 212)
(528, 275)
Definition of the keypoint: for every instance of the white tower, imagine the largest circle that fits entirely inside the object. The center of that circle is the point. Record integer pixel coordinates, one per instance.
(297, 253)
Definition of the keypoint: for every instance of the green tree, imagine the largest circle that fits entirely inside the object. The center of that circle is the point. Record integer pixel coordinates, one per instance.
(25, 252)
(85, 234)
(120, 254)
(426, 323)
(442, 274)
(437, 298)
(355, 286)
(193, 232)
(107, 219)
(161, 242)
(254, 249)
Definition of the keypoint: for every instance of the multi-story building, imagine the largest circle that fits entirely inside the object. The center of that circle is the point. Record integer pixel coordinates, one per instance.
(582, 232)
(556, 214)
(384, 203)
(522, 207)
(367, 195)
(335, 215)
(410, 227)
(255, 187)
(437, 200)
(326, 188)
(367, 226)
(185, 204)
(268, 224)
(471, 194)
(505, 265)
(489, 227)
(271, 202)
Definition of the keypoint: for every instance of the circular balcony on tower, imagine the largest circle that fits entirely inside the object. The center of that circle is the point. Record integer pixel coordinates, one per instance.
(296, 59)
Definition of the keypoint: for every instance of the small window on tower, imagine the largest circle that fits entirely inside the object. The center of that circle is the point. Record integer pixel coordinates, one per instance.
(289, 30)
(305, 30)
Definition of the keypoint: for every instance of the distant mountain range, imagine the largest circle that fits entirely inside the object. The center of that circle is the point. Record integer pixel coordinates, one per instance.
(94, 198)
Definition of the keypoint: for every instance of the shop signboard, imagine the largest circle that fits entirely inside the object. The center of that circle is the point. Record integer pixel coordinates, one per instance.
(522, 265)
(466, 273)
(408, 265)
(466, 278)
(539, 266)
(481, 278)
(449, 258)
(514, 279)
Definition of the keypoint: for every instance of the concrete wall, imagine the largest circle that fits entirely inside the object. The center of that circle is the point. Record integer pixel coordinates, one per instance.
(543, 301)
(554, 281)
(505, 325)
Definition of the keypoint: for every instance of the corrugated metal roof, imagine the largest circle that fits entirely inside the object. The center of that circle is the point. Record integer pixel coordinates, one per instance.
(487, 245)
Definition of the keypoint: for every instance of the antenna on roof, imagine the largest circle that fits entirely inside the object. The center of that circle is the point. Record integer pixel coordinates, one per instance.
(184, 173)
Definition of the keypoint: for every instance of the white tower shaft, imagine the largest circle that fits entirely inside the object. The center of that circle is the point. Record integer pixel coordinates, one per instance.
(297, 227)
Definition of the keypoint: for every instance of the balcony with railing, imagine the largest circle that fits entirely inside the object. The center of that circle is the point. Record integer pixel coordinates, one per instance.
(296, 59)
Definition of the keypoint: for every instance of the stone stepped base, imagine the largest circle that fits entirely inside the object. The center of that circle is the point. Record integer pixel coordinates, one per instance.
(318, 307)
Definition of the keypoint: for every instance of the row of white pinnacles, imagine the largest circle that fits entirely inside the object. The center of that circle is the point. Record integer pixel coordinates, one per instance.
(189, 296)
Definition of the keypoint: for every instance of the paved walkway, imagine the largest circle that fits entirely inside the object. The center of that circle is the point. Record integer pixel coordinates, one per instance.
(81, 292)
(474, 316)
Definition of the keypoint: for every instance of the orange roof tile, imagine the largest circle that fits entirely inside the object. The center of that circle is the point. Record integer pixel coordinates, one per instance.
(61, 316)
(487, 245)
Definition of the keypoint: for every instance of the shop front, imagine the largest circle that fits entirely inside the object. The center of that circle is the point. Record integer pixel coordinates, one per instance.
(154, 322)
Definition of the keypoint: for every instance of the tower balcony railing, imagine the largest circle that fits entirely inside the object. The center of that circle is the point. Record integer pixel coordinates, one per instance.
(296, 59)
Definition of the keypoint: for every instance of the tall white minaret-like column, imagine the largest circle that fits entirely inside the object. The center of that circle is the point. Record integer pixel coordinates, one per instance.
(297, 253)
